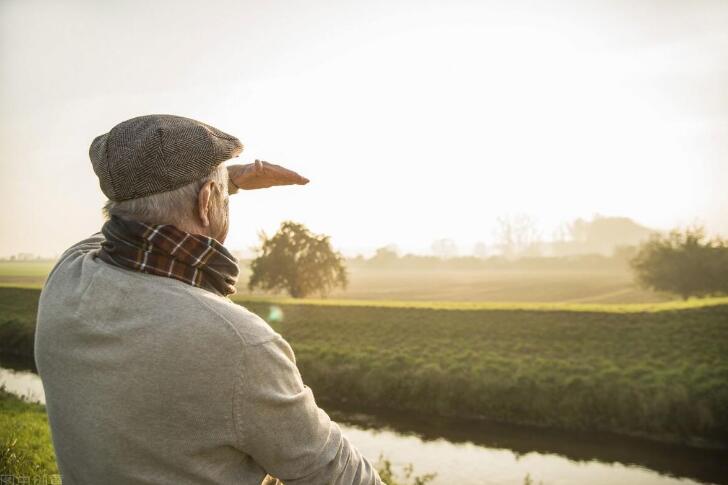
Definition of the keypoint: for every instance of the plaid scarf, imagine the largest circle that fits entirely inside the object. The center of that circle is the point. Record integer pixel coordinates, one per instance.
(164, 250)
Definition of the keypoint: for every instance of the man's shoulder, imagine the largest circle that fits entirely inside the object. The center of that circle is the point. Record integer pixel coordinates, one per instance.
(91, 243)
(201, 310)
(76, 269)
(251, 328)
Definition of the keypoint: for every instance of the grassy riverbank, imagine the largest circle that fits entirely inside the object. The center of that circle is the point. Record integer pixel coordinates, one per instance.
(25, 442)
(18, 308)
(658, 370)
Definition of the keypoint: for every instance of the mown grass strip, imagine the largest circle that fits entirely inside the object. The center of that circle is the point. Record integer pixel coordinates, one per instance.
(500, 306)
(464, 305)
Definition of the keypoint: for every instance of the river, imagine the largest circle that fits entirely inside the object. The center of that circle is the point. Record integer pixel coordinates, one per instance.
(474, 453)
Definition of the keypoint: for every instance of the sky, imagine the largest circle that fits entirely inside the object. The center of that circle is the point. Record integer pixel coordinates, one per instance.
(414, 120)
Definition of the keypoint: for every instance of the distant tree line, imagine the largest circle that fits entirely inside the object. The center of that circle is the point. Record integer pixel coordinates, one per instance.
(519, 236)
(301, 263)
(389, 258)
(23, 257)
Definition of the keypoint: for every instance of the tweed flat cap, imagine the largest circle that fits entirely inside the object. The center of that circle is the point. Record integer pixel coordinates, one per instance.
(156, 153)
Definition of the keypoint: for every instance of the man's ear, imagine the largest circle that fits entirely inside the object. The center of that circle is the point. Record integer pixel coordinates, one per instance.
(203, 203)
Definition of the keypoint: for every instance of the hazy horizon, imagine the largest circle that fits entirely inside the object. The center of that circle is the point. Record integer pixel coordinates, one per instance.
(414, 121)
(601, 239)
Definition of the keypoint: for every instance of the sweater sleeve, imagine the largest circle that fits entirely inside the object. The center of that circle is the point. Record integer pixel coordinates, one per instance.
(280, 426)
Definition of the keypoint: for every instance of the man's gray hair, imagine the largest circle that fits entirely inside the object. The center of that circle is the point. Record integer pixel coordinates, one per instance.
(172, 207)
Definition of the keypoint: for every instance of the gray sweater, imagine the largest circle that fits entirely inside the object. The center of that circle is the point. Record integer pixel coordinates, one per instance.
(149, 380)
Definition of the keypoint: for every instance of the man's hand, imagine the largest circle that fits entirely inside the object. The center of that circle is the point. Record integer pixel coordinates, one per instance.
(261, 175)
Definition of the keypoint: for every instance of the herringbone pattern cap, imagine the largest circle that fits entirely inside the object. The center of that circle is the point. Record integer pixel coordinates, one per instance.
(156, 153)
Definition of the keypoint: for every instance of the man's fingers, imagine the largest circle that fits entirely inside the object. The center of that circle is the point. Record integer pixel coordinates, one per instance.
(262, 174)
(293, 177)
(285, 175)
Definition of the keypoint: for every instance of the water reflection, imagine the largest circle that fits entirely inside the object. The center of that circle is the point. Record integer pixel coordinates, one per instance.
(22, 383)
(659, 463)
(477, 453)
(470, 464)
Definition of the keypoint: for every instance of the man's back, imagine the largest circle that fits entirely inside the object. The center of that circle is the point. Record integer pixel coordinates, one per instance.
(151, 380)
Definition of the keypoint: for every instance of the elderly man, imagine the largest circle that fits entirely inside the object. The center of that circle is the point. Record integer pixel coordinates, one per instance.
(152, 375)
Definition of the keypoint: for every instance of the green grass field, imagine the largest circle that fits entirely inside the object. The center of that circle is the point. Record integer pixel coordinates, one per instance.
(661, 373)
(657, 370)
(495, 286)
(29, 274)
(437, 285)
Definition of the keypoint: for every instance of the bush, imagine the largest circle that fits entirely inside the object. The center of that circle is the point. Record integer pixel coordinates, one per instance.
(684, 263)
